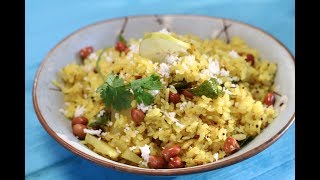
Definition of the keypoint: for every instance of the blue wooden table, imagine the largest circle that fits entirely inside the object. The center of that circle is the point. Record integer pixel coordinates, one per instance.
(47, 22)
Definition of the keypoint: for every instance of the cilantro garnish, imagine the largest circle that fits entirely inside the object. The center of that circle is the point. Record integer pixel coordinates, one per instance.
(209, 88)
(140, 87)
(151, 83)
(116, 94)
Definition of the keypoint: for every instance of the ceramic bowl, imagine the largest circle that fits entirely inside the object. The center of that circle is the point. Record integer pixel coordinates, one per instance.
(47, 101)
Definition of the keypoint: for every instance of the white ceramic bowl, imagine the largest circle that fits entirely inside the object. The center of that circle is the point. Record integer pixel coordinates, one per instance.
(47, 101)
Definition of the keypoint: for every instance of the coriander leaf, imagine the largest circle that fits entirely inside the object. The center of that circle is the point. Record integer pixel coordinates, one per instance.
(114, 81)
(151, 83)
(140, 86)
(143, 96)
(117, 97)
(114, 93)
(102, 120)
(102, 87)
(110, 79)
(209, 88)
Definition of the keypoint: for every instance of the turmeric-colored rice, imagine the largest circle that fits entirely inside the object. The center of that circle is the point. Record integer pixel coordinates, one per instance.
(203, 123)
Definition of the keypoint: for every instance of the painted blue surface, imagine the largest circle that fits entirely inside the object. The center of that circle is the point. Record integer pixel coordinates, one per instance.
(47, 22)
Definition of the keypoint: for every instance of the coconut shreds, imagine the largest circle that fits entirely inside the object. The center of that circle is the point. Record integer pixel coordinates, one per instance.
(109, 123)
(132, 148)
(215, 156)
(224, 73)
(214, 67)
(172, 115)
(164, 70)
(127, 128)
(183, 105)
(190, 59)
(118, 150)
(145, 153)
(134, 47)
(116, 115)
(178, 72)
(165, 31)
(234, 54)
(122, 76)
(155, 66)
(172, 86)
(93, 56)
(218, 80)
(154, 92)
(171, 58)
(100, 114)
(163, 81)
(107, 57)
(129, 55)
(226, 90)
(233, 85)
(104, 133)
(92, 132)
(143, 107)
(131, 91)
(80, 110)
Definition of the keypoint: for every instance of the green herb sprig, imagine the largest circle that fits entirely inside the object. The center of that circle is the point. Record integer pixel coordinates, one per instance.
(209, 88)
(116, 94)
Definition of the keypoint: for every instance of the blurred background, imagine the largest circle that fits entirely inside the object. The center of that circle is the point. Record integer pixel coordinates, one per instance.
(48, 22)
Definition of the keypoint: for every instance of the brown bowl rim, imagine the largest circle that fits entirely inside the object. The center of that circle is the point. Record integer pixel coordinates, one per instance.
(157, 172)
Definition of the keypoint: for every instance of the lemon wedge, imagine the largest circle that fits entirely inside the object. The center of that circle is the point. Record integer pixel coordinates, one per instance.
(155, 46)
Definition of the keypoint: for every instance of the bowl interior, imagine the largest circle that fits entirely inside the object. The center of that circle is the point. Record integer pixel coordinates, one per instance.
(48, 101)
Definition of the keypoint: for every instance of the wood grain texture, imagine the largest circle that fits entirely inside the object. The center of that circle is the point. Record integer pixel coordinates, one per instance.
(47, 22)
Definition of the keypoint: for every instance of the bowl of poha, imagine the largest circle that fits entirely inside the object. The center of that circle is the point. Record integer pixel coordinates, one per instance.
(166, 95)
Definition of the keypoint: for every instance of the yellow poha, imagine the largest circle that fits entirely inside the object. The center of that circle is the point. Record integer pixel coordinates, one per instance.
(199, 126)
